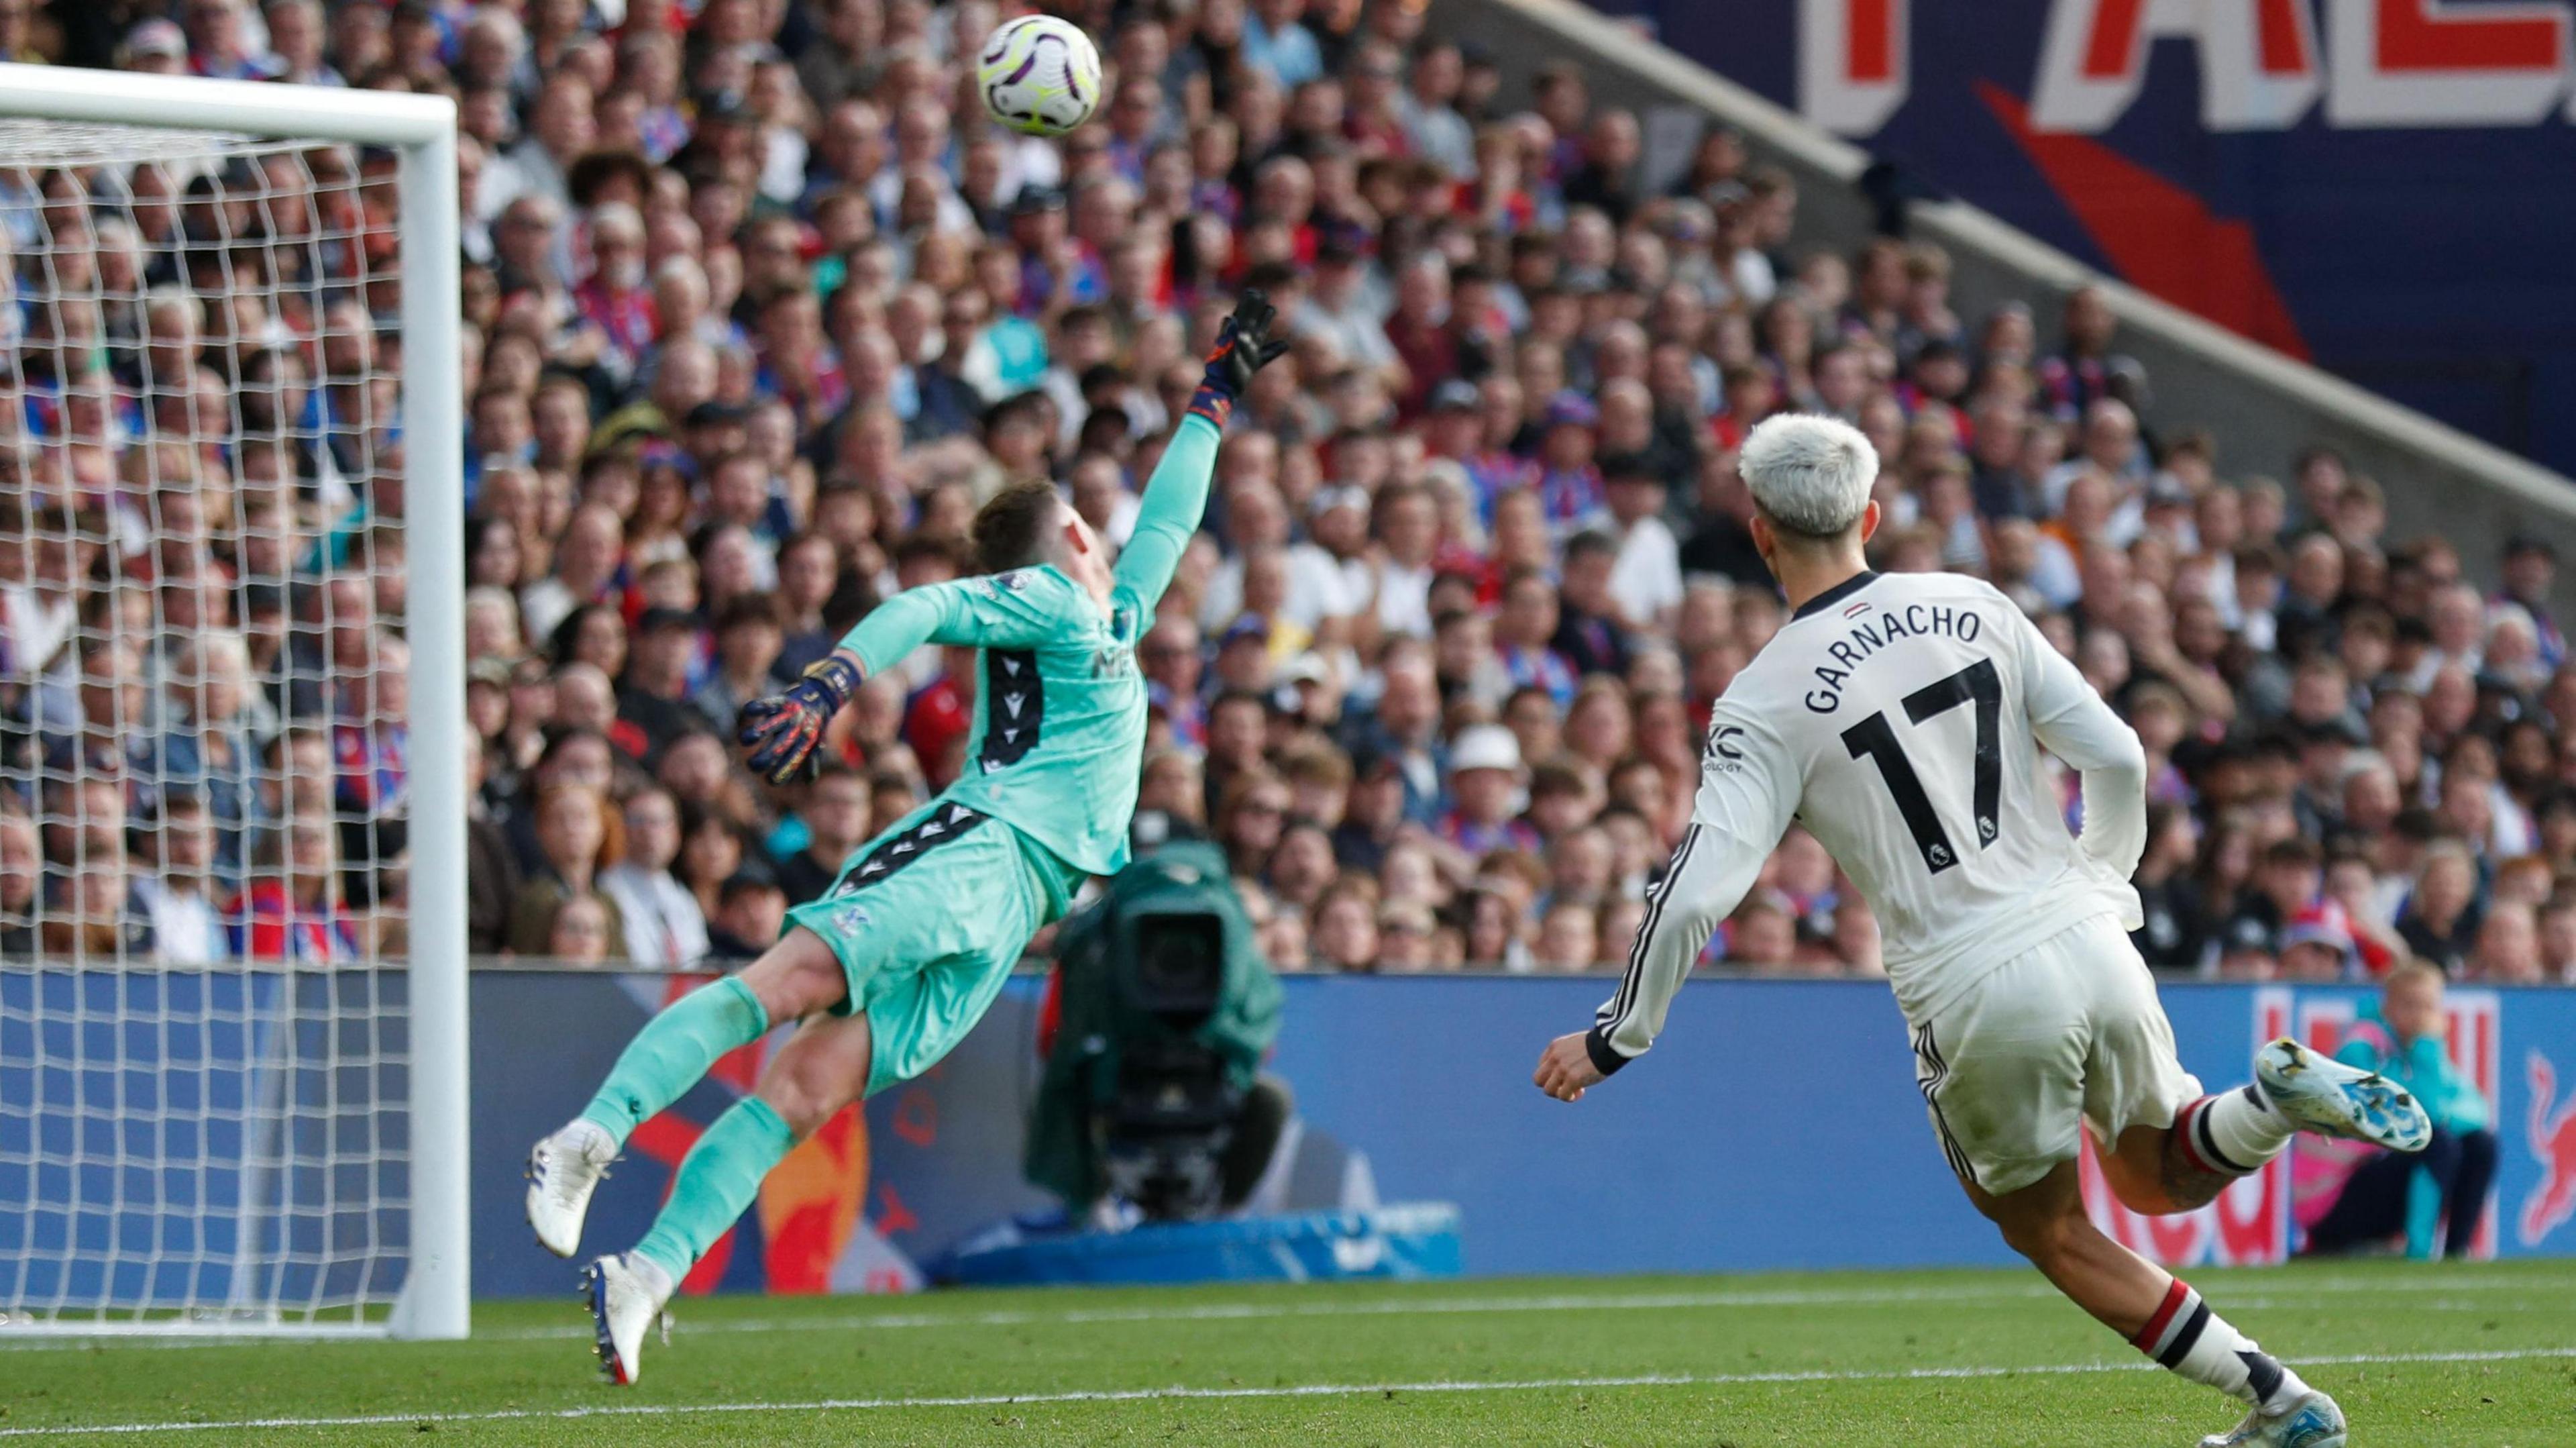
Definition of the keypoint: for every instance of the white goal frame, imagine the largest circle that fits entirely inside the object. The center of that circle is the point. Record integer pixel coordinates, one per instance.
(434, 1299)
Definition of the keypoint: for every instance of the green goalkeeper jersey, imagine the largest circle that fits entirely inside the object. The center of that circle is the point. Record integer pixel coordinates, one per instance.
(1059, 706)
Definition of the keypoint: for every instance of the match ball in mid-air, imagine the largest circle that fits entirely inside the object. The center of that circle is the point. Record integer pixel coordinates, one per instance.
(1039, 75)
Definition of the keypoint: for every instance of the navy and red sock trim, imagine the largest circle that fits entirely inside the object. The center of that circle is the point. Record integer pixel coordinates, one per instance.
(2177, 1324)
(2191, 1130)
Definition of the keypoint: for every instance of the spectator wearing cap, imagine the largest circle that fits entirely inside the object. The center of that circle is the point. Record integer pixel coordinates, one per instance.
(654, 693)
(2289, 881)
(2530, 577)
(1249, 651)
(1483, 793)
(1454, 426)
(2315, 946)
(1373, 813)
(154, 47)
(1571, 494)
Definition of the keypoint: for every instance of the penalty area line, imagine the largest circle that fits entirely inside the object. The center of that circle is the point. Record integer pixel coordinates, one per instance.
(1190, 1394)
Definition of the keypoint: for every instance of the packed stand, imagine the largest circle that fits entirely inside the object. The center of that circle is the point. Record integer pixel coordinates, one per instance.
(760, 307)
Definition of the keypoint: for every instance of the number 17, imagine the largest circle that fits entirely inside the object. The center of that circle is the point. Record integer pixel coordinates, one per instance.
(1875, 737)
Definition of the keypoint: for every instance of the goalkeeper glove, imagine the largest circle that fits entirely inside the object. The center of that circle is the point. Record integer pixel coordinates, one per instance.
(784, 732)
(1243, 346)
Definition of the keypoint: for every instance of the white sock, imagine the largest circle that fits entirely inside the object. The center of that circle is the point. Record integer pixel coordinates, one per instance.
(651, 1275)
(2194, 1342)
(2233, 1133)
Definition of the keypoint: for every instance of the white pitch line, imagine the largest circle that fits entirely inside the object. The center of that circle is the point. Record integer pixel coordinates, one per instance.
(2288, 1291)
(1298, 1390)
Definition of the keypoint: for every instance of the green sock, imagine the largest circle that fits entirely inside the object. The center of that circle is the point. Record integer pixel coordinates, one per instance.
(717, 1181)
(673, 1051)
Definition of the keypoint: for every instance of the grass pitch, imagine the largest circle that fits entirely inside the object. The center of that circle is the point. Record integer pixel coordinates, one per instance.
(2442, 1357)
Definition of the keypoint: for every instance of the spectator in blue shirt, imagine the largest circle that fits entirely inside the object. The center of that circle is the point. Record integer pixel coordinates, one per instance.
(1275, 41)
(2443, 1187)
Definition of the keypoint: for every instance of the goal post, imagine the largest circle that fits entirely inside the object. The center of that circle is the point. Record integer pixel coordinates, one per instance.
(271, 1135)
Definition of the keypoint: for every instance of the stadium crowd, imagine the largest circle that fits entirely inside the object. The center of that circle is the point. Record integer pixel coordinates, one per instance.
(759, 307)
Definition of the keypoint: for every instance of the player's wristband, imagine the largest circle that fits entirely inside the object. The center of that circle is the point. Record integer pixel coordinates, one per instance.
(836, 676)
(1605, 1058)
(1214, 404)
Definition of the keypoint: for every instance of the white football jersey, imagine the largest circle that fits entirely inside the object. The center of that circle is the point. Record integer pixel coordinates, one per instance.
(1899, 718)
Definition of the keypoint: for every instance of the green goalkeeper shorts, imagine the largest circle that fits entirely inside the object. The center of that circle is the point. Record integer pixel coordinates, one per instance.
(928, 919)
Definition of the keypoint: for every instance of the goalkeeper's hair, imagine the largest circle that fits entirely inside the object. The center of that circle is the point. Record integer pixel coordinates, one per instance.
(1809, 475)
(1010, 529)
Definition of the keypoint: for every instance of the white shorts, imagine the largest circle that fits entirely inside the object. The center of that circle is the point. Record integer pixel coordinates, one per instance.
(2069, 1030)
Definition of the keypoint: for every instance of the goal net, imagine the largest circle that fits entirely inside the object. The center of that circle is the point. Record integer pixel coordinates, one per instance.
(231, 1045)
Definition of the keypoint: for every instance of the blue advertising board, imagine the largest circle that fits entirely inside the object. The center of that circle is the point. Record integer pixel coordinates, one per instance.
(1777, 1126)
(2376, 185)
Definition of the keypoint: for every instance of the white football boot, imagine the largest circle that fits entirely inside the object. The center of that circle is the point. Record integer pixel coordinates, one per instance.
(2323, 1095)
(626, 1294)
(2310, 1421)
(562, 1170)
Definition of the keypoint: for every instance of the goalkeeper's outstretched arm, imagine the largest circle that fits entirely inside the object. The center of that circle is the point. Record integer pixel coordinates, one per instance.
(1176, 496)
(1175, 499)
(1748, 792)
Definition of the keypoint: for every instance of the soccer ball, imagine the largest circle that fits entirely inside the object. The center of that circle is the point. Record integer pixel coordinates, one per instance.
(1039, 75)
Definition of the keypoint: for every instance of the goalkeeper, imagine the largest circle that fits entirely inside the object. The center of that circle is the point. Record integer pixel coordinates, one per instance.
(892, 966)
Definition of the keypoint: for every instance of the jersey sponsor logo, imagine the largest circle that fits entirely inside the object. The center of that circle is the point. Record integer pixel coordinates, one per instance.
(1015, 581)
(1720, 745)
(1014, 709)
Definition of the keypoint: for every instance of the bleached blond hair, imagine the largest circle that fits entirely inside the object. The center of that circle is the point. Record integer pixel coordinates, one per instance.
(1809, 475)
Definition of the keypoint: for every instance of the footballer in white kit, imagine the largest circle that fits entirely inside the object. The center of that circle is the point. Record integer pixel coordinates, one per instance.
(1899, 718)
